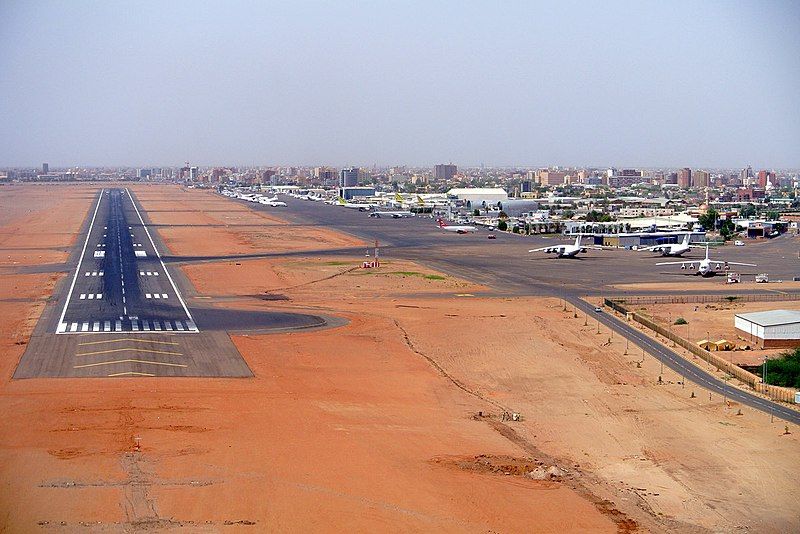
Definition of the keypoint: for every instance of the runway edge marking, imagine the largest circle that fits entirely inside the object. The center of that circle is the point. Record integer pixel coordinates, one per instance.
(158, 255)
(59, 329)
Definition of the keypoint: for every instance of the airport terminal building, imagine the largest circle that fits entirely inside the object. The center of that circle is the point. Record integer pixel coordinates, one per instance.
(769, 329)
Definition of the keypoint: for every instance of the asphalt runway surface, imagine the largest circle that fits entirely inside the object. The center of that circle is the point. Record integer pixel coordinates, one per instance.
(122, 311)
(505, 265)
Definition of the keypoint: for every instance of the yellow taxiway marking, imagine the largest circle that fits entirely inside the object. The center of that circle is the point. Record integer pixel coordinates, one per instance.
(134, 349)
(128, 339)
(129, 361)
(134, 373)
(464, 295)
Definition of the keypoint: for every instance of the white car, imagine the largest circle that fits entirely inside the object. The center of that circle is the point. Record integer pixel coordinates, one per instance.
(738, 243)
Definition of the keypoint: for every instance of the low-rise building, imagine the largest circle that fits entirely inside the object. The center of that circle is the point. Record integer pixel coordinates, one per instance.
(769, 329)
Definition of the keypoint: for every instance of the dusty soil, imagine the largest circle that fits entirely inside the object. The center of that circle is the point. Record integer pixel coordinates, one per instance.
(342, 429)
(393, 422)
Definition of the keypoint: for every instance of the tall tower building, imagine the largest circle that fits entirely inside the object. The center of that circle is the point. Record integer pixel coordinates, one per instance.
(685, 178)
(444, 171)
(348, 177)
(45, 168)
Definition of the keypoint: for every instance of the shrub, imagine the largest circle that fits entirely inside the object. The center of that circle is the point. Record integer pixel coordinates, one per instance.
(681, 320)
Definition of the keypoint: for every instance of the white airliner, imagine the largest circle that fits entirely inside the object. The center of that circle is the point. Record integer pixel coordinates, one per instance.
(455, 228)
(391, 214)
(272, 202)
(352, 205)
(564, 251)
(706, 267)
(672, 249)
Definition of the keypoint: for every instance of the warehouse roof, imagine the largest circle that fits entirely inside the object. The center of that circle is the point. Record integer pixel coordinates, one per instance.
(772, 317)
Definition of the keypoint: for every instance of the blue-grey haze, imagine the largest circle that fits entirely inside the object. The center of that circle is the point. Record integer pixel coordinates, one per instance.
(636, 83)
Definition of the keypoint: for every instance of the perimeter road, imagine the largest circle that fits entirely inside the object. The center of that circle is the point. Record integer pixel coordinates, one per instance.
(686, 369)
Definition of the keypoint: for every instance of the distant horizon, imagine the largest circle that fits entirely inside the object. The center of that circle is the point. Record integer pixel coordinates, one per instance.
(679, 84)
(410, 166)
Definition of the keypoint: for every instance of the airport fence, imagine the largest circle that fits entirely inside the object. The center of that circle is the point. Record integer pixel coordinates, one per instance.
(707, 298)
(754, 381)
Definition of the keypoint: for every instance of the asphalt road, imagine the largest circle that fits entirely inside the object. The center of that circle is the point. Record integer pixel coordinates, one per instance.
(505, 265)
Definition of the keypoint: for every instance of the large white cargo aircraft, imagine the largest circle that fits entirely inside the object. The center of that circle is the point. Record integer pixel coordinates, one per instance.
(706, 267)
(672, 249)
(563, 251)
(354, 205)
(455, 228)
(392, 214)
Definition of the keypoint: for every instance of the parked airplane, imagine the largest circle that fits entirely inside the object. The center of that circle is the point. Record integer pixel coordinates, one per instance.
(672, 249)
(352, 205)
(272, 202)
(564, 251)
(706, 267)
(455, 228)
(391, 214)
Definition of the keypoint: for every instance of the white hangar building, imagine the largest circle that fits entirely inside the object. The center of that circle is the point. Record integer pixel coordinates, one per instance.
(769, 329)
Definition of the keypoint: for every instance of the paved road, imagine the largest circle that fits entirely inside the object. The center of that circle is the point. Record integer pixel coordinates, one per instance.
(686, 369)
(505, 266)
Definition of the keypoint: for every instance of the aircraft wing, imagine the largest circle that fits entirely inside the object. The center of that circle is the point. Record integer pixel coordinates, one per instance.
(556, 247)
(684, 262)
(734, 263)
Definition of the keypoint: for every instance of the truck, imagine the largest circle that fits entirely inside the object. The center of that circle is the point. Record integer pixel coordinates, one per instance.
(762, 278)
(734, 278)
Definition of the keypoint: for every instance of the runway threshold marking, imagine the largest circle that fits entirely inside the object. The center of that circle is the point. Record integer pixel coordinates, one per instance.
(131, 340)
(112, 362)
(131, 373)
(161, 261)
(134, 349)
(59, 329)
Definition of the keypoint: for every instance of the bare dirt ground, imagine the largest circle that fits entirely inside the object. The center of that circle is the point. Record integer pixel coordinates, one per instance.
(390, 423)
(342, 429)
(715, 321)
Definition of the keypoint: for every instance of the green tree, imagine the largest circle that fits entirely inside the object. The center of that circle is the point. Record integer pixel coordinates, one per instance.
(502, 225)
(567, 214)
(476, 212)
(748, 210)
(784, 371)
(772, 215)
(708, 219)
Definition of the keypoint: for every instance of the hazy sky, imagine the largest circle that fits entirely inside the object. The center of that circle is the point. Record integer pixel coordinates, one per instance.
(583, 83)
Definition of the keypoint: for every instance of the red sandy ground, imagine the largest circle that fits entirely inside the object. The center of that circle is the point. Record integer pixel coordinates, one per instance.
(342, 429)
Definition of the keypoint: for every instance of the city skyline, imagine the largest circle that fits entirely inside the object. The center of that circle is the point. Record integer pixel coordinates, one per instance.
(701, 86)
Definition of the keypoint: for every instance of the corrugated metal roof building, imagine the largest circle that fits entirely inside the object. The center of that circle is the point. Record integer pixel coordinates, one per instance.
(769, 329)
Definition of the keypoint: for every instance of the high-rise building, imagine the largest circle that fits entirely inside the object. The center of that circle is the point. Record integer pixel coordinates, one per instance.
(764, 177)
(348, 177)
(685, 178)
(700, 179)
(45, 168)
(193, 174)
(548, 177)
(444, 171)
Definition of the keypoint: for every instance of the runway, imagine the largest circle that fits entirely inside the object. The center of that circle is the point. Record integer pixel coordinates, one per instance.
(120, 283)
(122, 312)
